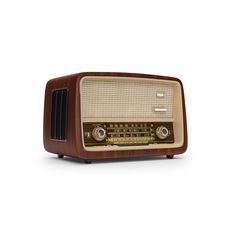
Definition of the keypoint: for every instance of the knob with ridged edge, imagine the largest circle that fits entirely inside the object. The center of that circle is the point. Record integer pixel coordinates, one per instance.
(99, 133)
(162, 132)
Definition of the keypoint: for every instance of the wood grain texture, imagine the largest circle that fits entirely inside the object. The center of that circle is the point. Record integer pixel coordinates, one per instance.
(73, 146)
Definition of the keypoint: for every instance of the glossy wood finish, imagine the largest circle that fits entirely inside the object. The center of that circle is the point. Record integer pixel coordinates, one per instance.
(73, 145)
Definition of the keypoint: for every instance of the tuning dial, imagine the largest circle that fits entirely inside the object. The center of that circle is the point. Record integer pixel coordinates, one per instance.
(99, 133)
(162, 132)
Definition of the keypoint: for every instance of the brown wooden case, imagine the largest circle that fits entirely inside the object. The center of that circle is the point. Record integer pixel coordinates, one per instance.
(73, 145)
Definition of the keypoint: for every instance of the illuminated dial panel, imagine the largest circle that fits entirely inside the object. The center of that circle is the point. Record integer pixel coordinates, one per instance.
(139, 133)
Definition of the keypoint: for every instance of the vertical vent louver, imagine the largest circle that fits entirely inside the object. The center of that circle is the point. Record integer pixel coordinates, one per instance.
(59, 114)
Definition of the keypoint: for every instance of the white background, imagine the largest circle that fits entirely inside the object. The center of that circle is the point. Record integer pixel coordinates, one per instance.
(193, 194)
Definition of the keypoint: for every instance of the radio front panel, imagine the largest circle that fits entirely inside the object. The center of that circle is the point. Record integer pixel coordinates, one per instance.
(130, 112)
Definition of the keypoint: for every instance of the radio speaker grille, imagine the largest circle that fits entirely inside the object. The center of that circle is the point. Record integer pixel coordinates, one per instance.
(125, 98)
(59, 114)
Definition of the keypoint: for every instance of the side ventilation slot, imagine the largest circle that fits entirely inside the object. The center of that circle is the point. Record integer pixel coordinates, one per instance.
(59, 112)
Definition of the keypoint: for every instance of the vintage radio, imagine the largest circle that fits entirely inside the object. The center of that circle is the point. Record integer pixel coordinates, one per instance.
(101, 115)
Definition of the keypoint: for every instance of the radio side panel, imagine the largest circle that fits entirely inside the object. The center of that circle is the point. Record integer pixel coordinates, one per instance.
(59, 133)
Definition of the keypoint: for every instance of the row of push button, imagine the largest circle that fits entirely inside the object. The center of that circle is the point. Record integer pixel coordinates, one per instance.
(129, 125)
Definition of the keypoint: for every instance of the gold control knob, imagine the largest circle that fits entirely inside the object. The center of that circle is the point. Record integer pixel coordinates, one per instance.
(99, 133)
(162, 132)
